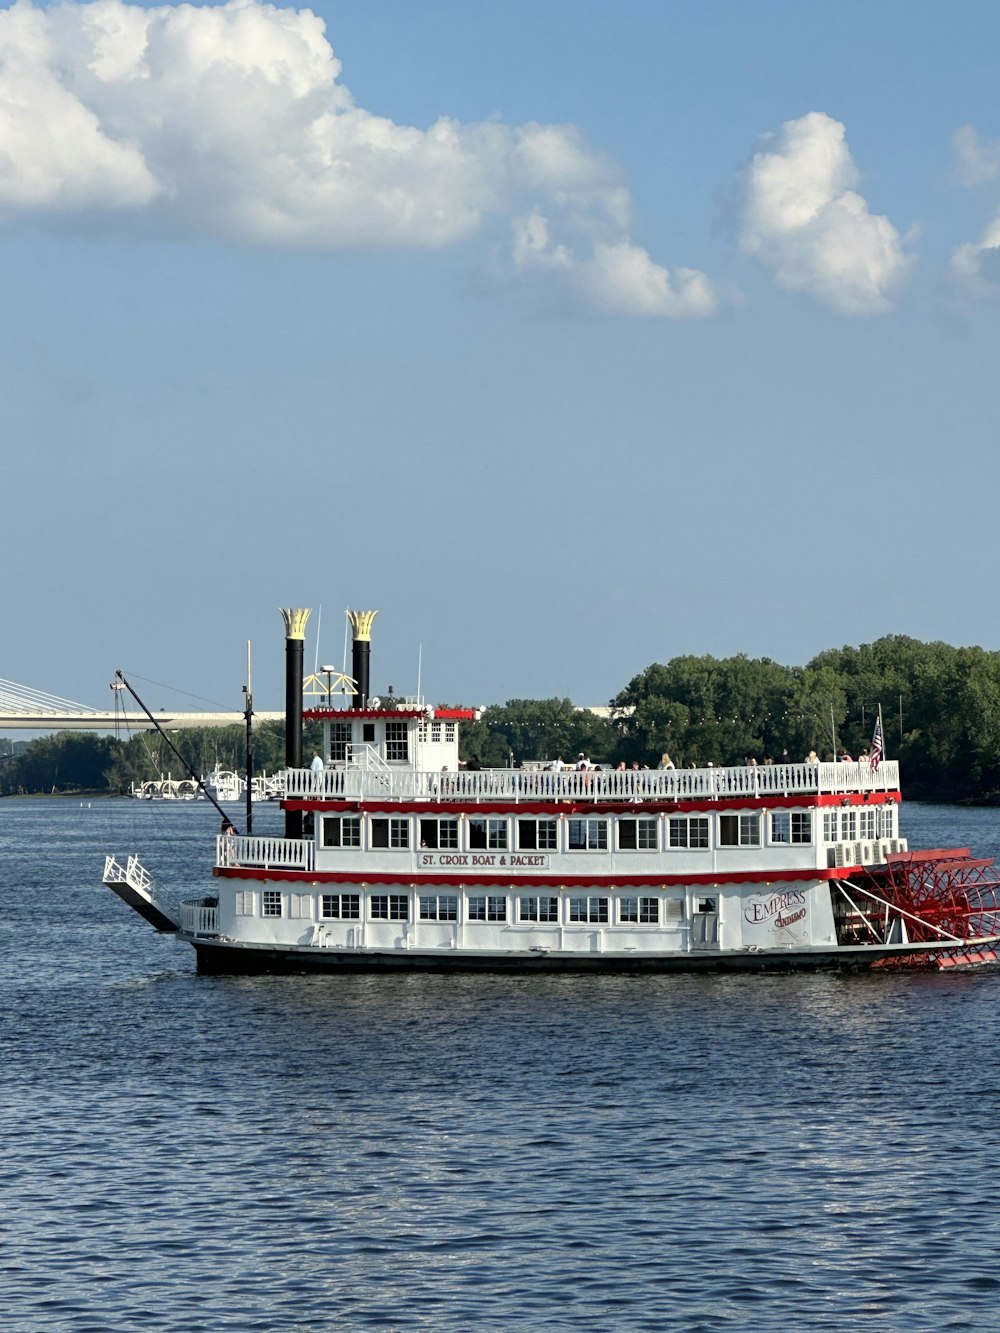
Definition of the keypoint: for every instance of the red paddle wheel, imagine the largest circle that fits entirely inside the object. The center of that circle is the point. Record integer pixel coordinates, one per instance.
(944, 893)
(941, 897)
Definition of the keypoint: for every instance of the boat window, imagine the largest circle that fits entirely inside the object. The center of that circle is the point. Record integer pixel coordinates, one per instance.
(848, 825)
(707, 905)
(639, 911)
(341, 906)
(739, 830)
(397, 749)
(588, 909)
(830, 825)
(435, 833)
(887, 821)
(688, 831)
(271, 902)
(340, 739)
(439, 907)
(489, 833)
(637, 835)
(341, 831)
(489, 907)
(389, 907)
(368, 733)
(394, 833)
(537, 909)
(588, 835)
(791, 826)
(866, 824)
(537, 835)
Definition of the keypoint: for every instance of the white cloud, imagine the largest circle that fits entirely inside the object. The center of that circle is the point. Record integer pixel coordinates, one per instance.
(803, 218)
(614, 277)
(975, 267)
(977, 161)
(232, 122)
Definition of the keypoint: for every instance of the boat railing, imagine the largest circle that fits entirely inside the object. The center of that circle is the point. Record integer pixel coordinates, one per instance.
(264, 853)
(198, 918)
(510, 784)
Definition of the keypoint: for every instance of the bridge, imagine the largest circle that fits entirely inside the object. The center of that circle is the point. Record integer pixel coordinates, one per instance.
(25, 709)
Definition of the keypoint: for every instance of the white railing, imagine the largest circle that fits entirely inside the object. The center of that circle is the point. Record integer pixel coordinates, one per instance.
(197, 919)
(675, 784)
(133, 873)
(264, 853)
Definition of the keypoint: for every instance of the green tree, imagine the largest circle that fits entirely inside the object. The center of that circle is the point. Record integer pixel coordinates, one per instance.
(527, 729)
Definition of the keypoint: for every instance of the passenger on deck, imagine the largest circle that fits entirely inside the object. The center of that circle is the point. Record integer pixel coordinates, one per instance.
(317, 763)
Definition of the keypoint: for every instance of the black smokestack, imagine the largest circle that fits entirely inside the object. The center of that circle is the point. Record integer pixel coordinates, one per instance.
(295, 636)
(361, 623)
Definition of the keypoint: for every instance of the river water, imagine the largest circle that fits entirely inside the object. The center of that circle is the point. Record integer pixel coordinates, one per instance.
(454, 1153)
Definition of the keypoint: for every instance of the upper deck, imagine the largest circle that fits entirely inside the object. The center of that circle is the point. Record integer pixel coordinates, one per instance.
(750, 783)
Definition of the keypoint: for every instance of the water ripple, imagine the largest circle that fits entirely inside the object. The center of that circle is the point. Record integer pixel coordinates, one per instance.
(407, 1152)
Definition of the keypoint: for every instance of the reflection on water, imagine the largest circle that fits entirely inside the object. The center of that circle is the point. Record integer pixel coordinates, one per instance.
(407, 1152)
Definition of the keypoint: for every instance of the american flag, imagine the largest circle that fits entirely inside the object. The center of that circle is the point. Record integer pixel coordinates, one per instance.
(875, 754)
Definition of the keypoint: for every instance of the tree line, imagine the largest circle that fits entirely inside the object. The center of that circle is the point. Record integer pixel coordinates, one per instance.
(940, 709)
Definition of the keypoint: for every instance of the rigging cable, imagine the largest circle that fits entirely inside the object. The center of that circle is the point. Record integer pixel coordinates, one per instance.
(200, 785)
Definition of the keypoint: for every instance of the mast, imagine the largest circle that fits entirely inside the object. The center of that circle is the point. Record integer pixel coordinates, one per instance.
(248, 715)
(295, 634)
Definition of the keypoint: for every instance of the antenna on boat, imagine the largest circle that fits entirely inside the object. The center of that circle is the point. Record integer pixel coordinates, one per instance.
(420, 667)
(248, 715)
(319, 626)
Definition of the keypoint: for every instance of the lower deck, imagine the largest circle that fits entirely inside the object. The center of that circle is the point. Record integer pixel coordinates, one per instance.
(228, 957)
(648, 921)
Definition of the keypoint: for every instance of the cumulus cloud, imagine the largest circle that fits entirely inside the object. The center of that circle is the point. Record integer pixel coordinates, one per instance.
(803, 218)
(616, 277)
(977, 161)
(975, 266)
(233, 122)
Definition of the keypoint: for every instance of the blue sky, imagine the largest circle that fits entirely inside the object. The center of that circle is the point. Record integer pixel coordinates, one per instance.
(570, 336)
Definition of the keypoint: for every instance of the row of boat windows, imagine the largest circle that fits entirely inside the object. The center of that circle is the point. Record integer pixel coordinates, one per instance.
(550, 909)
(846, 825)
(600, 833)
(397, 746)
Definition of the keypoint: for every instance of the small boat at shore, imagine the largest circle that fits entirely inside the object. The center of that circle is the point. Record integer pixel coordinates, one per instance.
(230, 787)
(395, 855)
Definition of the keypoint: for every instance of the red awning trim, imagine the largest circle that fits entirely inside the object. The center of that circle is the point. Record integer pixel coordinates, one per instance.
(593, 882)
(430, 807)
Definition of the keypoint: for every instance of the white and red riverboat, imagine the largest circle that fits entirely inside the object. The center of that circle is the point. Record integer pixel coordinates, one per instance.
(395, 855)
